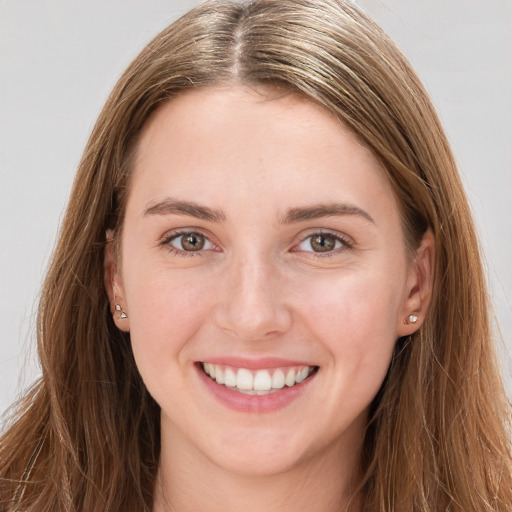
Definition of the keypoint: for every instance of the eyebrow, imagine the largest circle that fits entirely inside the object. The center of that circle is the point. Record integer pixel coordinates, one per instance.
(323, 210)
(170, 206)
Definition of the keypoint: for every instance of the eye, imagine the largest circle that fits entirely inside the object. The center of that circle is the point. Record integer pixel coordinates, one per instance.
(188, 242)
(322, 243)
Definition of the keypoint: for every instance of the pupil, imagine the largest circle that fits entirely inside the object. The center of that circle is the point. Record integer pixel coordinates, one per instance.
(323, 243)
(193, 242)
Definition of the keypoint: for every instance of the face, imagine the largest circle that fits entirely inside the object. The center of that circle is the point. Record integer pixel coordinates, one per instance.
(265, 278)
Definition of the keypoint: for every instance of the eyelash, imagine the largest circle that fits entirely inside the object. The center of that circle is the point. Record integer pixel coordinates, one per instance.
(346, 243)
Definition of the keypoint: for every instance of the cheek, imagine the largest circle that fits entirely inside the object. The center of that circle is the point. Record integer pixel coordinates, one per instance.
(165, 314)
(352, 305)
(355, 321)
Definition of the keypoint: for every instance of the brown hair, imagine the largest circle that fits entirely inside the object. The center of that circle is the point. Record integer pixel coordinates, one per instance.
(86, 436)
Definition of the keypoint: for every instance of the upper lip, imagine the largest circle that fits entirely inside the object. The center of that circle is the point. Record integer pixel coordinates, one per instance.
(255, 363)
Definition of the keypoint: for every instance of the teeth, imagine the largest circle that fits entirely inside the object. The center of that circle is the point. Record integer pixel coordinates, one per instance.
(290, 378)
(244, 379)
(302, 375)
(278, 379)
(260, 382)
(219, 377)
(230, 378)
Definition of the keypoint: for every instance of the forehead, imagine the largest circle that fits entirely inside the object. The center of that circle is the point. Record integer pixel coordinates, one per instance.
(251, 113)
(247, 144)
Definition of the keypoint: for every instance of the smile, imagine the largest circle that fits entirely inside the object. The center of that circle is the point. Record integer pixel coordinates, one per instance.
(257, 382)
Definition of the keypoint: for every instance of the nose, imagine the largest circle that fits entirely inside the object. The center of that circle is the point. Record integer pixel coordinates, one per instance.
(252, 302)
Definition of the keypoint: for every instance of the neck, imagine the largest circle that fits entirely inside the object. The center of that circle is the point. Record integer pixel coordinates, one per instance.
(187, 482)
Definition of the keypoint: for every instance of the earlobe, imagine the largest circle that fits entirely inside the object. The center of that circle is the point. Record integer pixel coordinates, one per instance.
(419, 287)
(114, 285)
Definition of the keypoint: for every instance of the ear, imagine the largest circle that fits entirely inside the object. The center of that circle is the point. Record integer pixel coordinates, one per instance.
(114, 285)
(419, 287)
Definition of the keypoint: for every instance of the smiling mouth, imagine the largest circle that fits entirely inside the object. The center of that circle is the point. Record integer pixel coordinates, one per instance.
(258, 382)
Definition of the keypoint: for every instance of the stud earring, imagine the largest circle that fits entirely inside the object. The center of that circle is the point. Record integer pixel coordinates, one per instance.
(122, 314)
(412, 318)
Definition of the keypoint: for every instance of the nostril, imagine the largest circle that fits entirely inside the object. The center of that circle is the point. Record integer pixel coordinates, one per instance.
(255, 323)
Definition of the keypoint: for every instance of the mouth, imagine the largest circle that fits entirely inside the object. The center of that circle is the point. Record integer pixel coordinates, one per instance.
(259, 382)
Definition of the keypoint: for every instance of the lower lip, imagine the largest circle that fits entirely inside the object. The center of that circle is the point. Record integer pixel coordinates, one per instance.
(254, 403)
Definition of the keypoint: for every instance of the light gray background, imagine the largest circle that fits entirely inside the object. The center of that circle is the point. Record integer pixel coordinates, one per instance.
(59, 60)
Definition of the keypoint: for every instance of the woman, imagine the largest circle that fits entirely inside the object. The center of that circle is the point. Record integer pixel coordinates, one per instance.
(267, 291)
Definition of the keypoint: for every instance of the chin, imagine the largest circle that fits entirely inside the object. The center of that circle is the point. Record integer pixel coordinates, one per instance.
(265, 452)
(254, 464)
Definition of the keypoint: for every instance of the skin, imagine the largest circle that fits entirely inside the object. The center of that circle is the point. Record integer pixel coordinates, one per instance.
(259, 289)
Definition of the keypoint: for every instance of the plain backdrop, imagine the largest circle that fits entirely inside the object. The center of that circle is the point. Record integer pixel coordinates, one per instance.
(59, 60)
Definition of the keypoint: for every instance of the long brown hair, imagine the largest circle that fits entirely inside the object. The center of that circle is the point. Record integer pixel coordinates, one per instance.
(86, 436)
